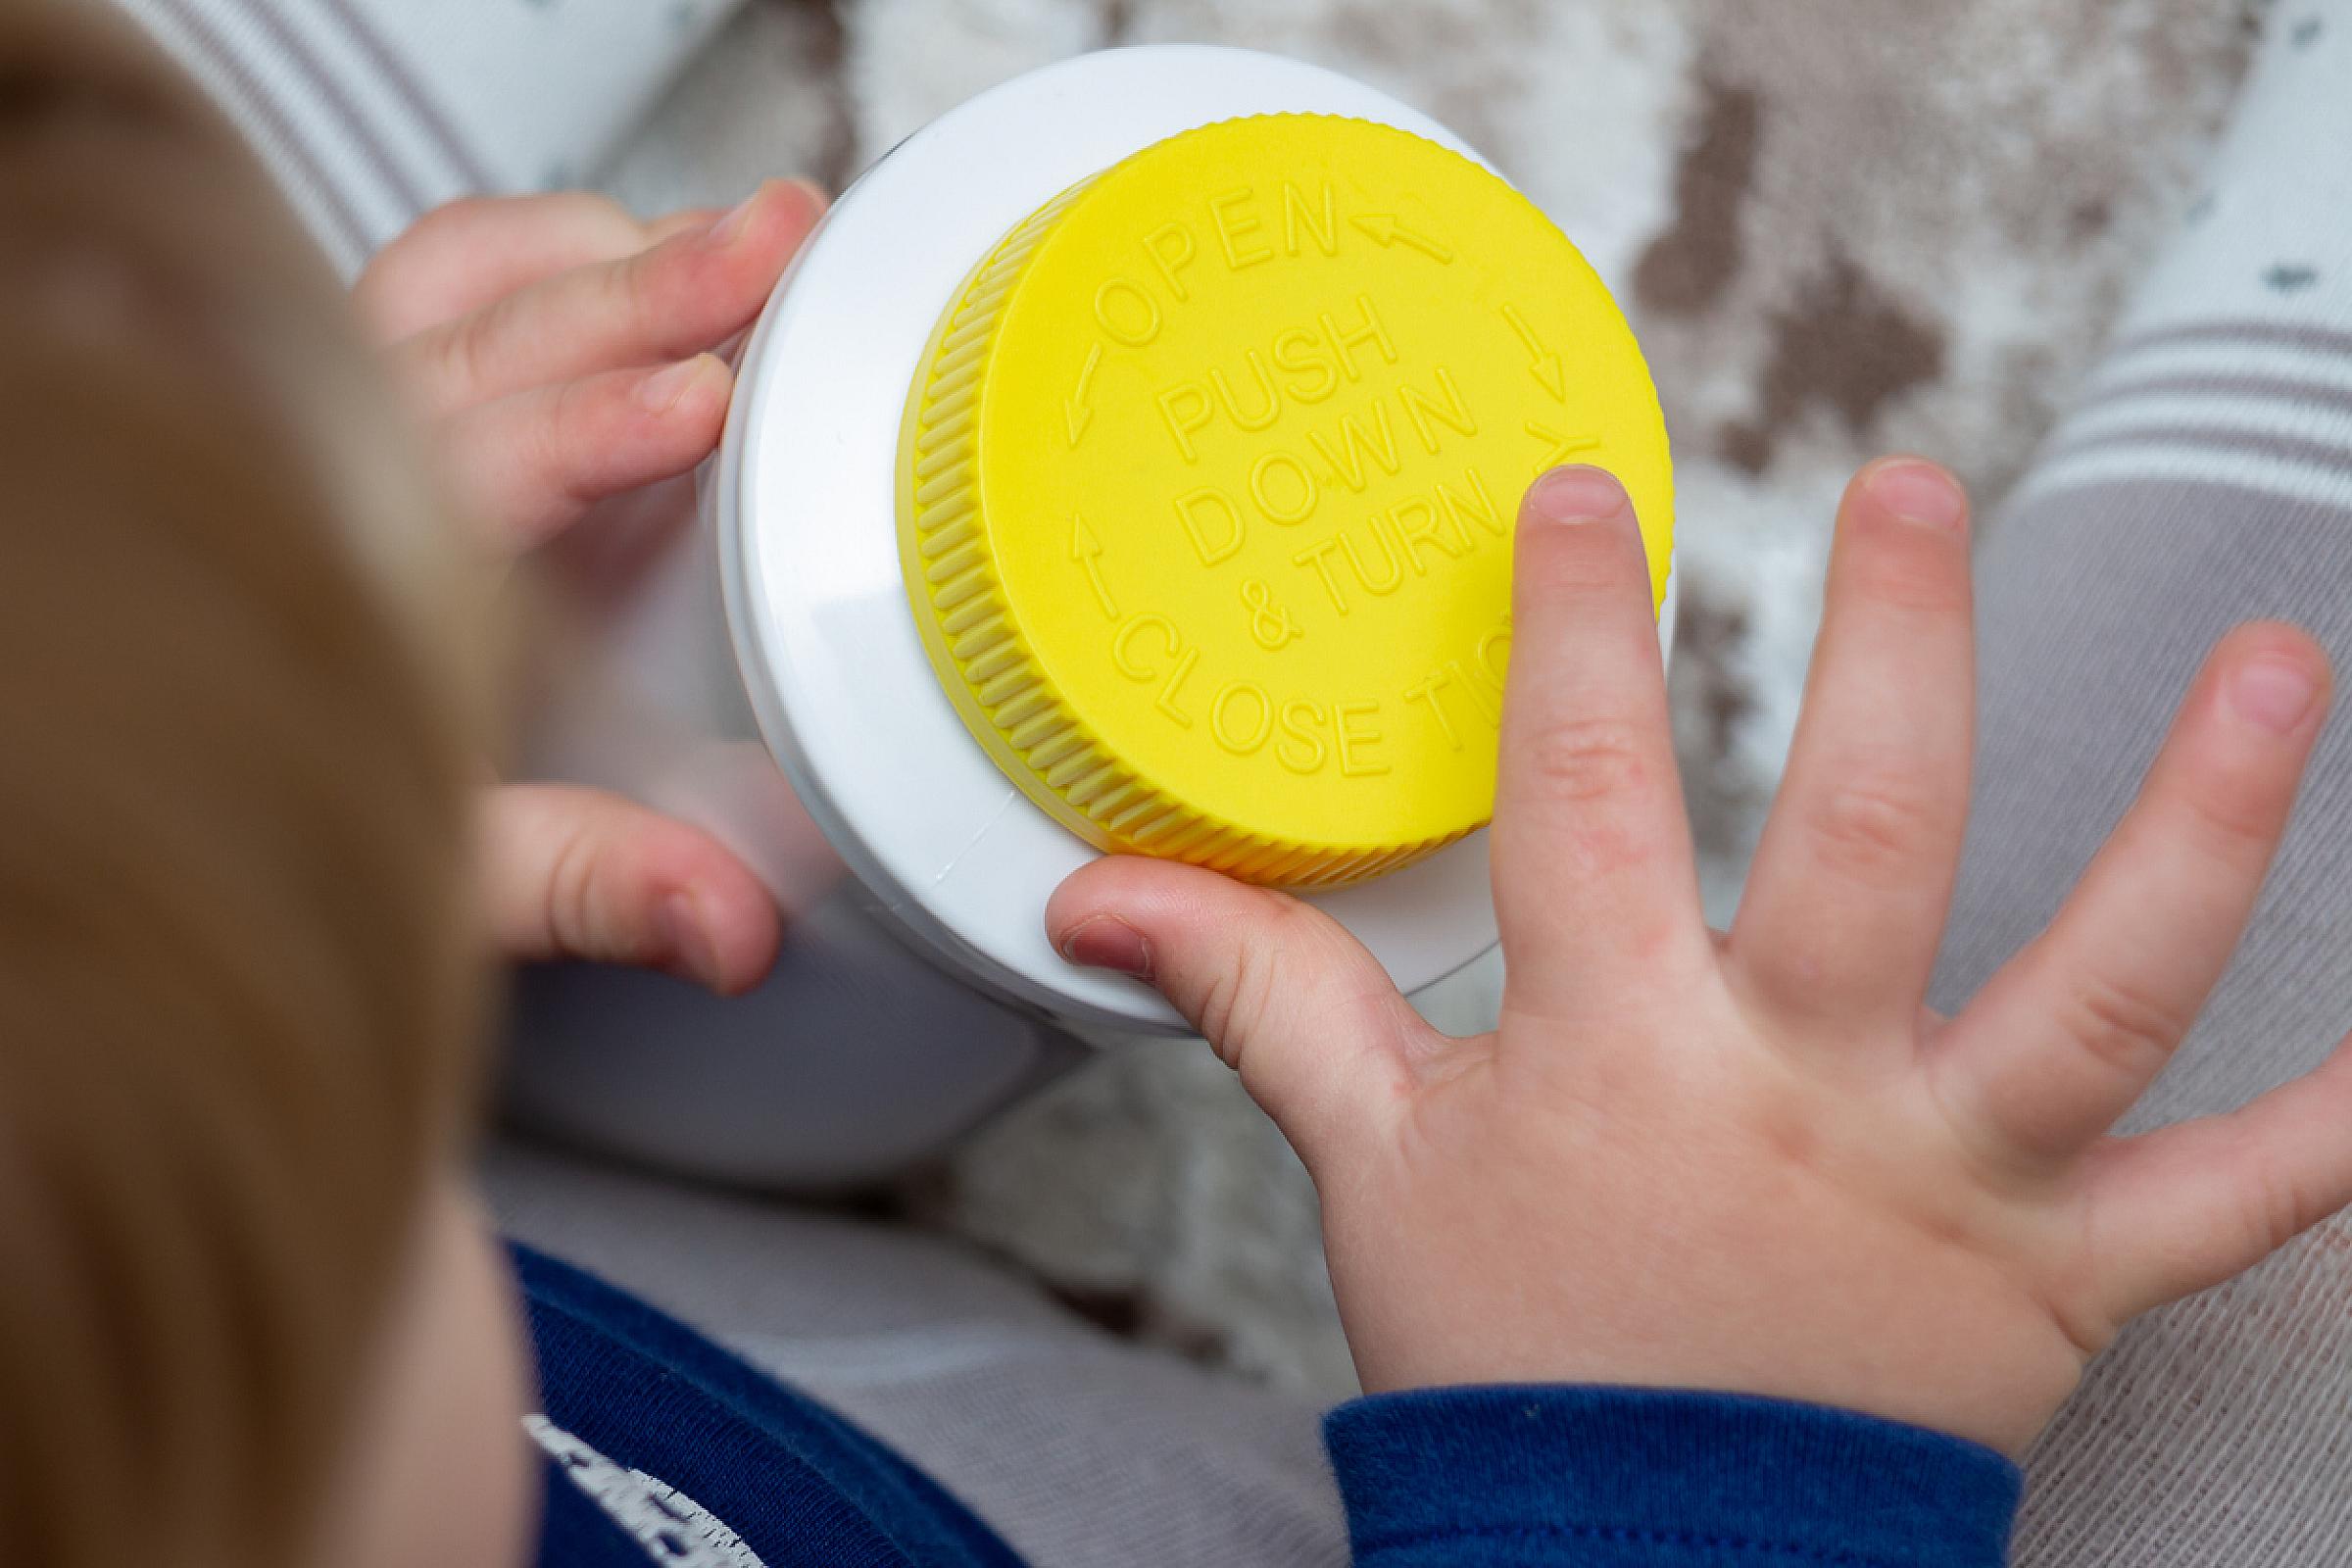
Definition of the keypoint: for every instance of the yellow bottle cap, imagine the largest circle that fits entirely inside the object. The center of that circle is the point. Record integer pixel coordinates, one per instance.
(1208, 479)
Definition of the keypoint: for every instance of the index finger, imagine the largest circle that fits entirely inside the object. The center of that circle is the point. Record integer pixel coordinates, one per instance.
(1593, 869)
(462, 256)
(682, 296)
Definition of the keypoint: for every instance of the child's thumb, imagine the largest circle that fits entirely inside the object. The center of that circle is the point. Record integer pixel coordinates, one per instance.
(1321, 1037)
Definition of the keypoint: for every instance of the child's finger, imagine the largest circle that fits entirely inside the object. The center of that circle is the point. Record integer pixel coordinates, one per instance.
(1847, 899)
(577, 873)
(684, 296)
(459, 258)
(532, 465)
(1593, 872)
(2183, 1209)
(685, 220)
(1310, 1021)
(2073, 1030)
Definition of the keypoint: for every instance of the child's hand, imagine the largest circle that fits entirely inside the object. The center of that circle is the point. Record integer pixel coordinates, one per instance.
(1755, 1162)
(562, 353)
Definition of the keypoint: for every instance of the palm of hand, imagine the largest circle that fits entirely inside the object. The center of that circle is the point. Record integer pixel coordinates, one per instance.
(1640, 1192)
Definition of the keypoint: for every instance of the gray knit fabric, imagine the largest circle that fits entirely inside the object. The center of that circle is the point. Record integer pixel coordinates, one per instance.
(2206, 480)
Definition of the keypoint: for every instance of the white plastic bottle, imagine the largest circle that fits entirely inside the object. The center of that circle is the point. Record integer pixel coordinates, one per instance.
(775, 679)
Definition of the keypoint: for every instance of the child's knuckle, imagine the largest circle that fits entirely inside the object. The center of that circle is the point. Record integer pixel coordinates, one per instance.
(552, 446)
(2278, 1207)
(570, 890)
(464, 352)
(1871, 828)
(659, 291)
(1590, 760)
(1912, 577)
(2232, 817)
(2121, 1024)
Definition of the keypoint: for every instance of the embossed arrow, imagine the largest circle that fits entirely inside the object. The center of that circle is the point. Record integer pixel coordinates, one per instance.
(1087, 550)
(1387, 229)
(1076, 413)
(1561, 446)
(1543, 363)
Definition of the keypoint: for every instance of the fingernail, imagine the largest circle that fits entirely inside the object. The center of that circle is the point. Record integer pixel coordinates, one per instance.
(2274, 694)
(1577, 494)
(1106, 942)
(660, 392)
(690, 945)
(1917, 491)
(818, 197)
(729, 228)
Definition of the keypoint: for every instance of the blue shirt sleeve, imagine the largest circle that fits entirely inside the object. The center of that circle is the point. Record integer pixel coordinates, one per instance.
(1531, 1476)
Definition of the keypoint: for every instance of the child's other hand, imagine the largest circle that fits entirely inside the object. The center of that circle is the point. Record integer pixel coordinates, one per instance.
(562, 353)
(1755, 1162)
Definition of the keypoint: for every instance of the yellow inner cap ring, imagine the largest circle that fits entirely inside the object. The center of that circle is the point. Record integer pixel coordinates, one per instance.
(1208, 481)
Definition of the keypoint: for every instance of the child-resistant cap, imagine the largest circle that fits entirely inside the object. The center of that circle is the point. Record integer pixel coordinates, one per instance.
(1209, 481)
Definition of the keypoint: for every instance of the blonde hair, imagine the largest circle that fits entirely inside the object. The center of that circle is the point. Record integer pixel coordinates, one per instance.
(238, 988)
